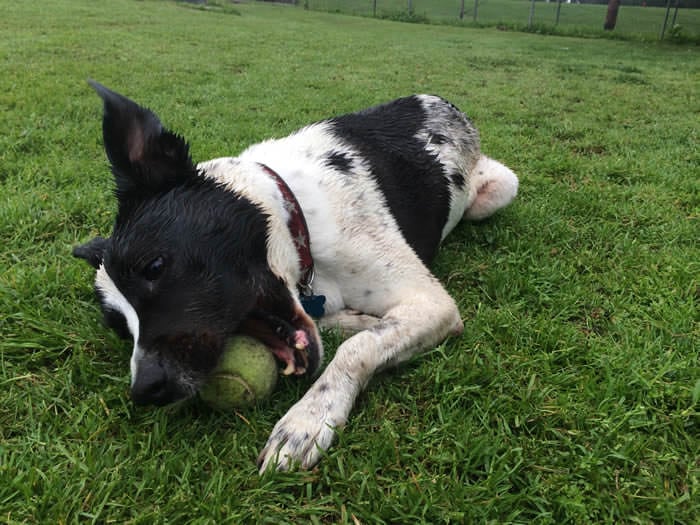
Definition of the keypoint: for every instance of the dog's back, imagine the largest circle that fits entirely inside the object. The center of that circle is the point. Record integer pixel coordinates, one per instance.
(416, 155)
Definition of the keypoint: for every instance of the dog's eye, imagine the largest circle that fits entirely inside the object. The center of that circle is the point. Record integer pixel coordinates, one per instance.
(154, 269)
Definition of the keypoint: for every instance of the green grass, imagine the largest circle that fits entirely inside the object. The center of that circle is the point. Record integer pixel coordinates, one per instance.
(573, 395)
(634, 22)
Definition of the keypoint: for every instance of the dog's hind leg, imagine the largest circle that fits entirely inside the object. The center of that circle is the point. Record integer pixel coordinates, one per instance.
(419, 322)
(493, 187)
(349, 322)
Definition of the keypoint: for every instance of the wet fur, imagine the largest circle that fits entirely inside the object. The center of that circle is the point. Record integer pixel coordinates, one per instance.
(380, 189)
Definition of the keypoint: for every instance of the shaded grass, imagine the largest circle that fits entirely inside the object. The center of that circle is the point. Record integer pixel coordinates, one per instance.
(571, 397)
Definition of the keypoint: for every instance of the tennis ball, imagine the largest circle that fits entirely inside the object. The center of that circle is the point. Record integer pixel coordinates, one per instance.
(246, 373)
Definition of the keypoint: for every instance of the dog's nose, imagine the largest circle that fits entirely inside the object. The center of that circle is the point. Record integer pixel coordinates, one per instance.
(151, 385)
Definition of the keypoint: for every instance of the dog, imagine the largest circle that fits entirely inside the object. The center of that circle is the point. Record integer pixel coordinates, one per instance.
(332, 226)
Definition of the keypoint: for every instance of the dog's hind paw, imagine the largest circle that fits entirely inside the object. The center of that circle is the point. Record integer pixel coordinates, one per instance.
(301, 437)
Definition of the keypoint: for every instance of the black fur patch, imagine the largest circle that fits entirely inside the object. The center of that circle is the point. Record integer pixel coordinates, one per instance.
(438, 138)
(339, 161)
(411, 178)
(458, 180)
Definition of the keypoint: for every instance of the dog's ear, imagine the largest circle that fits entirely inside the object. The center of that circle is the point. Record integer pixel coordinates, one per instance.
(145, 157)
(92, 251)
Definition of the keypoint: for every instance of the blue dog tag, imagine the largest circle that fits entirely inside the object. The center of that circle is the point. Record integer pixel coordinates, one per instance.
(313, 304)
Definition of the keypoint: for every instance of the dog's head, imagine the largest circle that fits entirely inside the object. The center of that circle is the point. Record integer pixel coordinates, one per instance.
(187, 264)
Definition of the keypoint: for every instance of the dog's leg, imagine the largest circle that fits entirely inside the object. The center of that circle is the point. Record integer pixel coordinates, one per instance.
(308, 429)
(494, 186)
(349, 322)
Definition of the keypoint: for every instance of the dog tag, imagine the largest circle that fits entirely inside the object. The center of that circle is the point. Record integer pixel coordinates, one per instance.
(313, 304)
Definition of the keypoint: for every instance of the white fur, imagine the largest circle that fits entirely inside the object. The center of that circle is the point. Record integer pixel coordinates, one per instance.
(493, 186)
(115, 300)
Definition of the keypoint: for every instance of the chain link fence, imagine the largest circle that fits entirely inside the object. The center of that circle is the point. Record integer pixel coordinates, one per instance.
(647, 19)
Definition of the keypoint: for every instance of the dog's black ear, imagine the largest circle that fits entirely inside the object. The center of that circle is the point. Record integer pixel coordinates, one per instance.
(146, 158)
(92, 251)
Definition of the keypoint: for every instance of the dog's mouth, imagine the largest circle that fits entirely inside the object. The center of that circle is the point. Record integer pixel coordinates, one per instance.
(292, 338)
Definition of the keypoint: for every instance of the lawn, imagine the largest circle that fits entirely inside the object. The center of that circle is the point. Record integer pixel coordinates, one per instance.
(633, 22)
(573, 395)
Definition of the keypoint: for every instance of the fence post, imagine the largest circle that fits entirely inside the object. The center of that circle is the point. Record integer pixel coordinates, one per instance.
(532, 14)
(374, 8)
(675, 14)
(461, 11)
(556, 22)
(611, 15)
(476, 9)
(663, 28)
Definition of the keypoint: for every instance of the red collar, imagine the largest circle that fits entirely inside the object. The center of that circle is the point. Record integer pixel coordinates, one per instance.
(298, 230)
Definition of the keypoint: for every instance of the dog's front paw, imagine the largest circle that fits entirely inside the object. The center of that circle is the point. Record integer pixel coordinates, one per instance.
(303, 434)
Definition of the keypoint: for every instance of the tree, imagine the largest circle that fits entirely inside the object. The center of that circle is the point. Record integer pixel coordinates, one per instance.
(611, 15)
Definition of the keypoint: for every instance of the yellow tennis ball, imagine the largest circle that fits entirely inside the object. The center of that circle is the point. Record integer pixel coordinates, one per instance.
(246, 373)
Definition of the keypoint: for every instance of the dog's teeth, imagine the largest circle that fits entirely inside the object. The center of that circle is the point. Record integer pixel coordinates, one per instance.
(289, 370)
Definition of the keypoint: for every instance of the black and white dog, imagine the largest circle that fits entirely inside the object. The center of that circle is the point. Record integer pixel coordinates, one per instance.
(337, 221)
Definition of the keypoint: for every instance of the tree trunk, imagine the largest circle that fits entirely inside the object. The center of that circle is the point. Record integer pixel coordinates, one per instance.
(611, 16)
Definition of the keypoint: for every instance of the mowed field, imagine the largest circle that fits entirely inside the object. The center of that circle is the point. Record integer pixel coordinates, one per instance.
(633, 22)
(573, 395)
